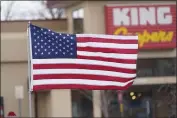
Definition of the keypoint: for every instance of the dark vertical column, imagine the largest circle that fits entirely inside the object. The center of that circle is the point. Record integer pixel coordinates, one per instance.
(1, 107)
(36, 104)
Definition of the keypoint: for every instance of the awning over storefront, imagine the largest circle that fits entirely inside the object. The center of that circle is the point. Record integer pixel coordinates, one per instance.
(60, 3)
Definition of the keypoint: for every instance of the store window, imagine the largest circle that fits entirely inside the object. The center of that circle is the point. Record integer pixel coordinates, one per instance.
(137, 103)
(82, 105)
(79, 13)
(78, 17)
(156, 67)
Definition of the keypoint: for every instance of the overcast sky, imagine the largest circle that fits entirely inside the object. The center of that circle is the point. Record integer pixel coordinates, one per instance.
(23, 9)
(28, 10)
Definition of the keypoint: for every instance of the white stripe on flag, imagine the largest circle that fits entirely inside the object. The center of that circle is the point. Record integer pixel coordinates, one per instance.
(83, 61)
(83, 71)
(108, 45)
(106, 55)
(79, 81)
(108, 36)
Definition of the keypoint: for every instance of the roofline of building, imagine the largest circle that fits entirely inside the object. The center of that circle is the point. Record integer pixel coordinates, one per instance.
(42, 20)
(61, 3)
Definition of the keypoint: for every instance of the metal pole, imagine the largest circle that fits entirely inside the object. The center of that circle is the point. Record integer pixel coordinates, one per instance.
(20, 107)
(120, 98)
(29, 71)
(121, 110)
(30, 104)
(147, 108)
(30, 101)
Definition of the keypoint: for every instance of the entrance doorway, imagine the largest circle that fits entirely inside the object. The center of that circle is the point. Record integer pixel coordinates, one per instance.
(138, 104)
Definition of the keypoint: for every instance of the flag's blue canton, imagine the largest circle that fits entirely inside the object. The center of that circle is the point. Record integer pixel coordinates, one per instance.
(49, 44)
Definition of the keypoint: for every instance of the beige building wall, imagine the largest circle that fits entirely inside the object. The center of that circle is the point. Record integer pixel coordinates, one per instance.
(14, 67)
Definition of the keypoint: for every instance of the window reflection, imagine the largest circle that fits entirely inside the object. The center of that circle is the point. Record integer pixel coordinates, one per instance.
(79, 13)
(78, 17)
(82, 104)
(156, 67)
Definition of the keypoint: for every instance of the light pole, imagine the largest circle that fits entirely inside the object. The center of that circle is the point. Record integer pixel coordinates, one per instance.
(120, 100)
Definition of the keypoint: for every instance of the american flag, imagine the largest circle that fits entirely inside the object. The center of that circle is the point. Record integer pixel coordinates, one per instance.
(81, 61)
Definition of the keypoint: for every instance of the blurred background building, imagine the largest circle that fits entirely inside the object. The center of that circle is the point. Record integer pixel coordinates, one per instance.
(153, 93)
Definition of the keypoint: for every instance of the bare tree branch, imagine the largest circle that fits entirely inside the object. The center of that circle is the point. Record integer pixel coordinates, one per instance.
(54, 13)
(170, 98)
(44, 13)
(106, 99)
(8, 11)
(105, 104)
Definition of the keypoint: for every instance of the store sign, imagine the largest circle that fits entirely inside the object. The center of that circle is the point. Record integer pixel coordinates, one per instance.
(154, 24)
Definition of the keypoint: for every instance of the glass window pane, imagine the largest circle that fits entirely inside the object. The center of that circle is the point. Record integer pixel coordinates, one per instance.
(75, 14)
(156, 67)
(82, 105)
(81, 13)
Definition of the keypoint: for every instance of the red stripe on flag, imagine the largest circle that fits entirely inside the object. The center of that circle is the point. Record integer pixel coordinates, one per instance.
(83, 66)
(124, 61)
(108, 50)
(105, 40)
(80, 76)
(77, 86)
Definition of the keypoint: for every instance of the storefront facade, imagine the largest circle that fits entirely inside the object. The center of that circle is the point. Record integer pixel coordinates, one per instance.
(156, 58)
(144, 18)
(155, 24)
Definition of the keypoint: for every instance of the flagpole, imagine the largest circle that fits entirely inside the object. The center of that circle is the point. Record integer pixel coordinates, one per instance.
(29, 71)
